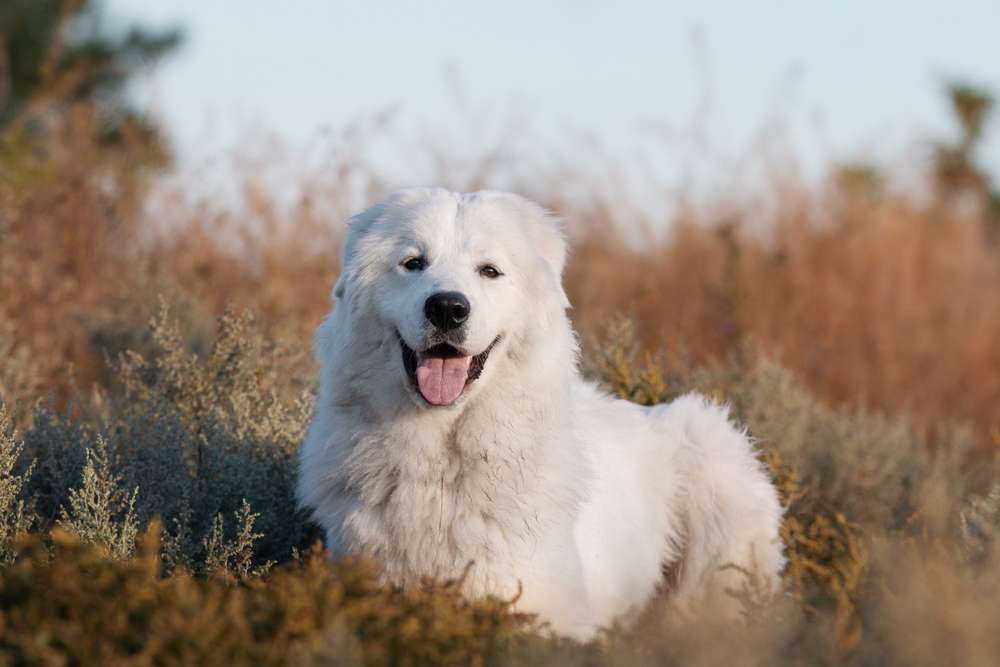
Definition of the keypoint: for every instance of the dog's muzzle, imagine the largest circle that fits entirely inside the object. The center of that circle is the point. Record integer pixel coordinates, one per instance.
(440, 373)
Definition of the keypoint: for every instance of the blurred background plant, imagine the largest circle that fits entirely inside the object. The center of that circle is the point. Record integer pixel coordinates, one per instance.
(956, 163)
(155, 378)
(56, 55)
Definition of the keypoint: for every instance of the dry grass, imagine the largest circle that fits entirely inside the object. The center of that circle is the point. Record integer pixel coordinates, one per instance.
(887, 305)
(99, 611)
(882, 302)
(854, 334)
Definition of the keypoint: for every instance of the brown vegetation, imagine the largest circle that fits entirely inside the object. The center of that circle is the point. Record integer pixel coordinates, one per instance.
(881, 300)
(884, 304)
(853, 329)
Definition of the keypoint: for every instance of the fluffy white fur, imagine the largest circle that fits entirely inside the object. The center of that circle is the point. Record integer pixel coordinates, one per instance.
(543, 483)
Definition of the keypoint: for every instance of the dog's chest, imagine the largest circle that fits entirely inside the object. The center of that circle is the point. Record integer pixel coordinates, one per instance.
(433, 515)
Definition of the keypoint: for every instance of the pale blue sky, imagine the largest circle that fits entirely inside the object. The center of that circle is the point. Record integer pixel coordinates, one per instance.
(852, 78)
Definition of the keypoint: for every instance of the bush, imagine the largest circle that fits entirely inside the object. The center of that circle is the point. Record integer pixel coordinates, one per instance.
(99, 611)
(196, 442)
(165, 531)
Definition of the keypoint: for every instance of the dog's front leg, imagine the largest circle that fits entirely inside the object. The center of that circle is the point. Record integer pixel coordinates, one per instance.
(553, 587)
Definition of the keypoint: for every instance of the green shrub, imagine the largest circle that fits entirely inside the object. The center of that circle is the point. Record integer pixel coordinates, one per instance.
(193, 441)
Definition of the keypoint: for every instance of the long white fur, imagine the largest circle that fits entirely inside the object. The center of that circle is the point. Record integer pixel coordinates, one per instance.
(547, 486)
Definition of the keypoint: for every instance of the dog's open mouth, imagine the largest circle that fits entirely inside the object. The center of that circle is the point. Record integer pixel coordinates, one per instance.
(442, 372)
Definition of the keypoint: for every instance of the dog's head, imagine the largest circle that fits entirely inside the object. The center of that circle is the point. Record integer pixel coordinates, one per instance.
(454, 281)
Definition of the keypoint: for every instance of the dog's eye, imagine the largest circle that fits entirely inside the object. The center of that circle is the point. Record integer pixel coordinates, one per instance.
(415, 264)
(489, 271)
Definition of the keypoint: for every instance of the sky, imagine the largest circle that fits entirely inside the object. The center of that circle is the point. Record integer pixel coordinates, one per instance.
(846, 80)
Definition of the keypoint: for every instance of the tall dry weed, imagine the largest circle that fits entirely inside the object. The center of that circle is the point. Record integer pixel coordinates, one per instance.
(888, 305)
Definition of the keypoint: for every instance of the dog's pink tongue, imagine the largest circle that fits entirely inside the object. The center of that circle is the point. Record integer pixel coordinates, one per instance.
(441, 381)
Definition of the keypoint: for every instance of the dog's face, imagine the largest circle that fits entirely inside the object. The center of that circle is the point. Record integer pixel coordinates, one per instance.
(453, 282)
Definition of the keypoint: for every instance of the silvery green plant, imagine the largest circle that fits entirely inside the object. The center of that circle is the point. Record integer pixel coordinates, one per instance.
(15, 515)
(101, 511)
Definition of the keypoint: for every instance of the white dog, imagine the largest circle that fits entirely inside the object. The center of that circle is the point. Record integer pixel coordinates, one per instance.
(452, 427)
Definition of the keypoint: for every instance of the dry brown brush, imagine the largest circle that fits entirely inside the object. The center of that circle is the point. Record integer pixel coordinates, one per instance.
(150, 423)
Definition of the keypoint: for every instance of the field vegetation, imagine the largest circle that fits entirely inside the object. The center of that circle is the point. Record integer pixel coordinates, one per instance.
(156, 378)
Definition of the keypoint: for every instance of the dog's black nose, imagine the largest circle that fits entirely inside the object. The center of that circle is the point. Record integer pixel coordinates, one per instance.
(447, 310)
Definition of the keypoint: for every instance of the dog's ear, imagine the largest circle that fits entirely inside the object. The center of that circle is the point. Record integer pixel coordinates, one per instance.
(550, 240)
(356, 227)
(544, 231)
(359, 225)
